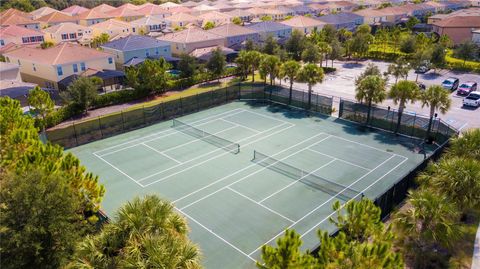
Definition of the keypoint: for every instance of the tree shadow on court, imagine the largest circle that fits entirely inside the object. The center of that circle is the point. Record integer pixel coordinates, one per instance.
(353, 128)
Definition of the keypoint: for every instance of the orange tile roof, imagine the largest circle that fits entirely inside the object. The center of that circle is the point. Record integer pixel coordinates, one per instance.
(124, 11)
(75, 9)
(302, 21)
(459, 22)
(190, 35)
(92, 14)
(56, 17)
(61, 54)
(14, 31)
(230, 29)
(104, 8)
(153, 10)
(11, 11)
(16, 19)
(42, 12)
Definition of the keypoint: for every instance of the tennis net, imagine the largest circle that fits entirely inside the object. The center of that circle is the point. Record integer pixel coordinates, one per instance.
(207, 137)
(308, 178)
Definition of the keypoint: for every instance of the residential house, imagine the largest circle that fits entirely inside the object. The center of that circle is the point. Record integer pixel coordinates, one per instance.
(189, 4)
(202, 9)
(349, 21)
(114, 28)
(304, 24)
(476, 36)
(216, 17)
(12, 11)
(235, 35)
(271, 28)
(18, 20)
(43, 11)
(257, 12)
(104, 8)
(136, 46)
(182, 20)
(190, 39)
(179, 9)
(20, 36)
(55, 18)
(458, 27)
(278, 14)
(11, 83)
(155, 11)
(170, 5)
(333, 7)
(46, 67)
(223, 7)
(125, 13)
(149, 24)
(301, 9)
(204, 54)
(67, 32)
(372, 16)
(244, 15)
(92, 16)
(75, 10)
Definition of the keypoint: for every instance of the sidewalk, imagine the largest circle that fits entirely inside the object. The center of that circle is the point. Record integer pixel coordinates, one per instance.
(476, 251)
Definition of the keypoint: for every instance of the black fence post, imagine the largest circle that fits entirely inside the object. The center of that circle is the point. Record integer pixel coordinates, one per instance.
(75, 133)
(144, 117)
(413, 124)
(340, 108)
(100, 126)
(123, 121)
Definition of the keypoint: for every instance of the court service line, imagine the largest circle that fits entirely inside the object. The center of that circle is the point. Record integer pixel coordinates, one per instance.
(321, 205)
(161, 153)
(368, 146)
(216, 235)
(240, 170)
(198, 139)
(220, 155)
(253, 173)
(205, 154)
(337, 159)
(265, 116)
(295, 181)
(158, 137)
(342, 206)
(114, 167)
(240, 125)
(257, 203)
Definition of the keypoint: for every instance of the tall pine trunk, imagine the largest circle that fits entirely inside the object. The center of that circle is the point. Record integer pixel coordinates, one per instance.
(430, 123)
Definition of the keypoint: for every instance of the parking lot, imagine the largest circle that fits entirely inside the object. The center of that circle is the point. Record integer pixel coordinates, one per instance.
(342, 84)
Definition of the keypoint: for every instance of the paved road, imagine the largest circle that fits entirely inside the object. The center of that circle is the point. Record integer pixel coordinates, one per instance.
(341, 84)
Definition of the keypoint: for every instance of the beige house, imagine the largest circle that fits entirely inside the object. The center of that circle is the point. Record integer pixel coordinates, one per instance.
(154, 11)
(47, 67)
(67, 32)
(235, 35)
(182, 20)
(19, 20)
(304, 24)
(103, 8)
(149, 24)
(113, 28)
(55, 18)
(91, 17)
(20, 36)
(216, 17)
(125, 13)
(190, 39)
(372, 16)
(43, 11)
(74, 10)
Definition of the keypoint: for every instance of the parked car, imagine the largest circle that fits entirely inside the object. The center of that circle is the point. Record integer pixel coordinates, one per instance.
(451, 83)
(423, 68)
(421, 86)
(473, 99)
(467, 88)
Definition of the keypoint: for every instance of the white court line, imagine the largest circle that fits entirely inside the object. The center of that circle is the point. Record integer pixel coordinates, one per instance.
(265, 116)
(169, 130)
(255, 172)
(198, 139)
(240, 125)
(463, 126)
(337, 159)
(342, 206)
(216, 235)
(200, 156)
(296, 180)
(368, 146)
(220, 155)
(257, 203)
(114, 167)
(322, 204)
(161, 153)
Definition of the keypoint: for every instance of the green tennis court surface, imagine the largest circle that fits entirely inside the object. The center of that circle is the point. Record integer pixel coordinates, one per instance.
(236, 202)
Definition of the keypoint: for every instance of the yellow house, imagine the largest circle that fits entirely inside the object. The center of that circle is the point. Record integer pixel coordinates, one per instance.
(66, 32)
(125, 13)
(113, 28)
(46, 67)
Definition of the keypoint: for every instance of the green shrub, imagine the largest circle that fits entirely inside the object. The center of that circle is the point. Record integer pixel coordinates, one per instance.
(113, 98)
(64, 113)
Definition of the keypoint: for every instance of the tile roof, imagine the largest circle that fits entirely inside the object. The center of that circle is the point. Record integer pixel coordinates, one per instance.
(147, 4)
(150, 20)
(459, 22)
(18, 31)
(92, 14)
(61, 54)
(190, 35)
(230, 29)
(369, 12)
(135, 42)
(57, 17)
(66, 27)
(169, 5)
(153, 10)
(239, 13)
(214, 15)
(11, 11)
(206, 53)
(179, 9)
(111, 23)
(222, 6)
(104, 8)
(302, 21)
(42, 12)
(268, 26)
(16, 19)
(75, 9)
(124, 11)
(204, 8)
(257, 11)
(340, 18)
(189, 4)
(180, 17)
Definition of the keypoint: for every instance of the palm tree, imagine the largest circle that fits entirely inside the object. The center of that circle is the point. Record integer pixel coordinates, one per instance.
(253, 59)
(310, 74)
(399, 69)
(371, 89)
(289, 70)
(146, 232)
(270, 65)
(401, 93)
(457, 177)
(468, 145)
(428, 223)
(324, 49)
(437, 98)
(243, 64)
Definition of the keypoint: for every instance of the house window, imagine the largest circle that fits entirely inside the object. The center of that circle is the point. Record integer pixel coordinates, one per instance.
(59, 71)
(34, 68)
(133, 29)
(2, 43)
(147, 53)
(82, 66)
(24, 40)
(110, 60)
(73, 36)
(156, 51)
(75, 68)
(32, 39)
(64, 36)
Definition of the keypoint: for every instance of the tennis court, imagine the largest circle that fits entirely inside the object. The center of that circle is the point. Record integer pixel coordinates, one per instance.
(242, 173)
